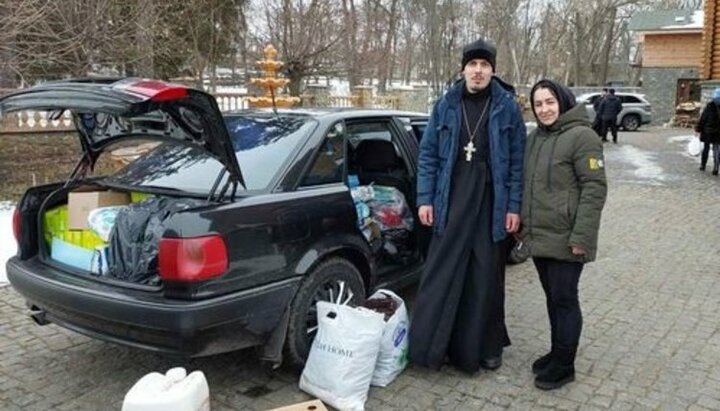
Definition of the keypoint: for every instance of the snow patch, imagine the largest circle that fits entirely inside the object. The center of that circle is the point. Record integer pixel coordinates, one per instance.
(685, 142)
(643, 161)
(7, 239)
(680, 139)
(231, 89)
(696, 22)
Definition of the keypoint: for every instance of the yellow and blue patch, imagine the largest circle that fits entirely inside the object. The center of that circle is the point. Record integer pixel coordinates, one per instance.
(595, 163)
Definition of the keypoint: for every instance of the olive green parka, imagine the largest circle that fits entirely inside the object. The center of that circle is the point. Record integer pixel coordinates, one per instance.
(564, 188)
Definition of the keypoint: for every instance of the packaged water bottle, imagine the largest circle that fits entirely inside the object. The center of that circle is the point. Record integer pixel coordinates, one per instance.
(175, 390)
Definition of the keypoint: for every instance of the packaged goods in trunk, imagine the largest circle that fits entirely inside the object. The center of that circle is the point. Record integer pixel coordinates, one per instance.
(72, 255)
(83, 200)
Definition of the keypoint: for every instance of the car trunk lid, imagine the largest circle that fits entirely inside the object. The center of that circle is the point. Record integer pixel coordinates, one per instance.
(106, 111)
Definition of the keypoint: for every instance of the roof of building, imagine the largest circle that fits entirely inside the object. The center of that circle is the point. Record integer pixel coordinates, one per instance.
(667, 20)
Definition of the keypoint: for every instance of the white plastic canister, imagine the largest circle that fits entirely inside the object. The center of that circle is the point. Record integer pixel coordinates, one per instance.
(173, 391)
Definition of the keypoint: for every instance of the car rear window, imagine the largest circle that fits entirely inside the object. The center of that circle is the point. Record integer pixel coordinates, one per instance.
(262, 144)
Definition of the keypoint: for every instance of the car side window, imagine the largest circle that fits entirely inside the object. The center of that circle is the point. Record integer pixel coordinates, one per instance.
(593, 99)
(414, 127)
(373, 147)
(629, 99)
(329, 164)
(418, 130)
(358, 132)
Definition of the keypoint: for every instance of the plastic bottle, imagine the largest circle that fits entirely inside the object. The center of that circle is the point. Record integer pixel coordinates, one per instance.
(175, 391)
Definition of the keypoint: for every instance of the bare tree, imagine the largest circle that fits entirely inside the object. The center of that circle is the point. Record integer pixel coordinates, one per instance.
(197, 44)
(577, 41)
(307, 35)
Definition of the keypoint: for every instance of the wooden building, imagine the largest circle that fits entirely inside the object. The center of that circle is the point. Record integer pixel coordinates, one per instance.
(670, 55)
(710, 63)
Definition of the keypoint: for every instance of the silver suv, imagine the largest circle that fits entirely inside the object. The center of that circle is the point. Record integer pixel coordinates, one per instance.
(636, 110)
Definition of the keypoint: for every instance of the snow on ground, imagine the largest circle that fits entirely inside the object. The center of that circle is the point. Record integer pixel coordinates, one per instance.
(8, 246)
(681, 139)
(644, 162)
(685, 141)
(231, 89)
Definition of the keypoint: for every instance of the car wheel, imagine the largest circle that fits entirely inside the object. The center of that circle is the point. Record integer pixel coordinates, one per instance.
(631, 122)
(333, 280)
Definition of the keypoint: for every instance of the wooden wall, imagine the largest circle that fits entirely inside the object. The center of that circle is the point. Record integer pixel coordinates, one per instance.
(711, 41)
(672, 50)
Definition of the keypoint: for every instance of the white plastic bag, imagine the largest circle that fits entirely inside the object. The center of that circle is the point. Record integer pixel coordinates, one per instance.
(343, 355)
(694, 146)
(392, 359)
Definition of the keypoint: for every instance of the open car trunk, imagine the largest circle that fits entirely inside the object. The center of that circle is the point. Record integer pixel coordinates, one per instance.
(115, 234)
(106, 233)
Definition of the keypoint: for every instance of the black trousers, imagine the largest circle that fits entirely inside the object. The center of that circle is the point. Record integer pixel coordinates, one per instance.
(611, 125)
(559, 280)
(706, 153)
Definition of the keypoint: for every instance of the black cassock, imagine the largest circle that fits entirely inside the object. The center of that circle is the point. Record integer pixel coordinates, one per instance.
(459, 308)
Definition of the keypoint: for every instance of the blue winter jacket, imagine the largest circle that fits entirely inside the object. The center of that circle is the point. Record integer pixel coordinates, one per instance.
(439, 146)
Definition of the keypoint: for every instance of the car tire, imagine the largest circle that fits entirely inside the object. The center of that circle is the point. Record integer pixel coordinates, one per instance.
(631, 122)
(317, 286)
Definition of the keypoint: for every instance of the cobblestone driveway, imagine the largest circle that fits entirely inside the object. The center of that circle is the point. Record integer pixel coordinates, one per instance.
(651, 338)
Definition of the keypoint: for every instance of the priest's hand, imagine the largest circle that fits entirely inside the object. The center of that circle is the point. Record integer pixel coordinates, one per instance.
(425, 213)
(512, 222)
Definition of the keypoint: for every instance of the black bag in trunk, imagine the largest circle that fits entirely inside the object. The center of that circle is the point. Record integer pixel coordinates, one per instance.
(135, 238)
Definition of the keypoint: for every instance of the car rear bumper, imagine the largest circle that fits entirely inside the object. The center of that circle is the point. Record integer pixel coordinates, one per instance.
(188, 328)
(646, 118)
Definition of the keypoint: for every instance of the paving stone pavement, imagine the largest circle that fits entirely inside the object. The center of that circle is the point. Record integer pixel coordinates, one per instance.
(651, 337)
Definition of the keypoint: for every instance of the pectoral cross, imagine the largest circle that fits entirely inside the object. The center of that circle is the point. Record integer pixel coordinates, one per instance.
(469, 150)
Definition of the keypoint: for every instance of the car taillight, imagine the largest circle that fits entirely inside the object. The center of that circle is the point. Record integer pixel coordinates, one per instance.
(16, 225)
(170, 94)
(192, 259)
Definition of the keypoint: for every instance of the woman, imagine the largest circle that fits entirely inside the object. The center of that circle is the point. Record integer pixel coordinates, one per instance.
(709, 128)
(564, 194)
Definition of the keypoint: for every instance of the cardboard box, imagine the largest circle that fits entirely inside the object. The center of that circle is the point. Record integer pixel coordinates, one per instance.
(85, 199)
(315, 405)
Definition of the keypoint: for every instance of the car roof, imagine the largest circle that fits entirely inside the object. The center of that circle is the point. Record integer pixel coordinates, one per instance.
(617, 93)
(330, 113)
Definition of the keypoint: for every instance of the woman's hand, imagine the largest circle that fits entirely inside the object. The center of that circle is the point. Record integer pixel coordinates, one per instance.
(577, 250)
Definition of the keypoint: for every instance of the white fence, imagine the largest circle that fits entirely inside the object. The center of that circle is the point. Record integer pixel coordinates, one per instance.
(38, 122)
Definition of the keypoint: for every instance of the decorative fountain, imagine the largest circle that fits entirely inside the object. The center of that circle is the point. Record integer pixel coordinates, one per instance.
(270, 82)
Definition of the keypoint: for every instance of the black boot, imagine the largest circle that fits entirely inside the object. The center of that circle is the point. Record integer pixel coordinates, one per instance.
(715, 171)
(542, 363)
(559, 372)
(491, 363)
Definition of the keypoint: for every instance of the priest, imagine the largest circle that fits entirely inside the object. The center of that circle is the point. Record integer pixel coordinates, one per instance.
(469, 190)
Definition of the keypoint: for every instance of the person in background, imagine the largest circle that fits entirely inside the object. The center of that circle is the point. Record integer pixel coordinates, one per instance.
(564, 194)
(608, 110)
(709, 129)
(597, 124)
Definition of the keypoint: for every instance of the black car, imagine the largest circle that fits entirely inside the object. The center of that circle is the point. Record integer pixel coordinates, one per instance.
(263, 224)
